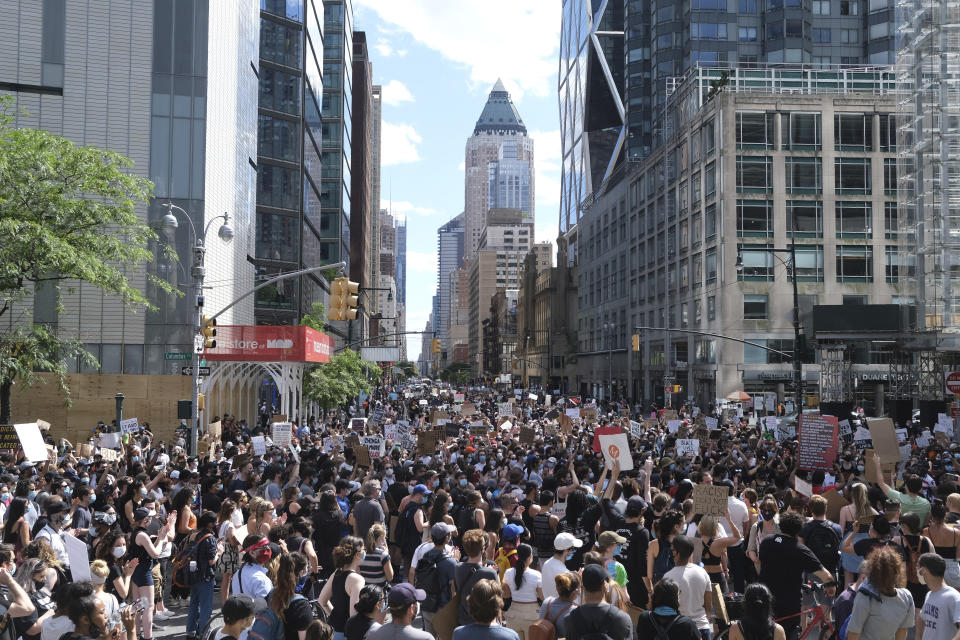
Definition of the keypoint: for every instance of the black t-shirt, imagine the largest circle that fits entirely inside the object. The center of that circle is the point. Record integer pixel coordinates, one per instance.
(683, 629)
(592, 618)
(864, 547)
(357, 627)
(299, 615)
(115, 572)
(783, 562)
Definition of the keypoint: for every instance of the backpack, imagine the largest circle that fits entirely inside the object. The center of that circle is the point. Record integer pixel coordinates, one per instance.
(823, 540)
(545, 628)
(427, 577)
(408, 538)
(182, 575)
(503, 560)
(663, 633)
(8, 628)
(913, 554)
(589, 631)
(268, 625)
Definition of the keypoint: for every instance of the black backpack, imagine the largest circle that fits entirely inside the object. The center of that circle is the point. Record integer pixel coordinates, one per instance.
(823, 540)
(427, 577)
(589, 630)
(663, 633)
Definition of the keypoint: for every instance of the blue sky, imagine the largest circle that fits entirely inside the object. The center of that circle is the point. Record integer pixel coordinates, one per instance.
(437, 60)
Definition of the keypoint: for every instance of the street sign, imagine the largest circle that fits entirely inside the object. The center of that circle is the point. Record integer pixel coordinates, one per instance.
(953, 382)
(188, 371)
(176, 355)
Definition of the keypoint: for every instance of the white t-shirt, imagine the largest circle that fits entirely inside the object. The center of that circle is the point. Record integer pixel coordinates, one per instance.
(54, 628)
(551, 569)
(425, 548)
(941, 614)
(739, 513)
(527, 592)
(694, 582)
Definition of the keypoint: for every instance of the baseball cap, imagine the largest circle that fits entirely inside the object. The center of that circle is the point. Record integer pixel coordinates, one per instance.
(238, 606)
(139, 514)
(422, 488)
(54, 508)
(635, 506)
(593, 577)
(512, 532)
(175, 474)
(566, 541)
(609, 538)
(404, 594)
(440, 530)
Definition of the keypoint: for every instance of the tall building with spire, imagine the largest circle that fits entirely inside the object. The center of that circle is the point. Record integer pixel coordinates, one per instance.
(498, 166)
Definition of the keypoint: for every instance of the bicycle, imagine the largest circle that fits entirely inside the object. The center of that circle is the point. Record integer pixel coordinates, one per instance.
(819, 620)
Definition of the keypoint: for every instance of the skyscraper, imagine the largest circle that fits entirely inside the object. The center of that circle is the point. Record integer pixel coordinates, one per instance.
(499, 123)
(449, 257)
(361, 141)
(509, 180)
(288, 156)
(400, 268)
(373, 244)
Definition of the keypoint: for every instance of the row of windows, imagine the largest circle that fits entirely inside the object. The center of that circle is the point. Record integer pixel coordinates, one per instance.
(854, 263)
(853, 219)
(852, 176)
(852, 131)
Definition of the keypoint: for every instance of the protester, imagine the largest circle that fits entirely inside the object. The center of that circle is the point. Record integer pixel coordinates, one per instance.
(403, 603)
(341, 592)
(594, 615)
(664, 621)
(881, 608)
(557, 608)
(940, 612)
(486, 608)
(757, 620)
(370, 614)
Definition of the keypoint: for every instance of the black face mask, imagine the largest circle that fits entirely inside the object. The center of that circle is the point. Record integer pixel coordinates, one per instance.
(769, 515)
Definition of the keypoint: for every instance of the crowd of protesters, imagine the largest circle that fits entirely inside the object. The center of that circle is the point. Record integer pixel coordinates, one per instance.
(508, 527)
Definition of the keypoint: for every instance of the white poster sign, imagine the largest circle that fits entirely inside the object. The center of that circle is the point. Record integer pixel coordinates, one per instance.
(374, 444)
(390, 431)
(615, 447)
(130, 425)
(282, 433)
(712, 423)
(79, 559)
(259, 445)
(505, 409)
(688, 446)
(674, 425)
(34, 448)
(803, 487)
(573, 413)
(636, 429)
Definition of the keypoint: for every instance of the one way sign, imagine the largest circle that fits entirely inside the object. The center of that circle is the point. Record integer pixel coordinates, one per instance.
(188, 371)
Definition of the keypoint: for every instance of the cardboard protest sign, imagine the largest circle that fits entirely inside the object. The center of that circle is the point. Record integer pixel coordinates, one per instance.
(203, 448)
(468, 409)
(589, 414)
(566, 424)
(710, 500)
(636, 429)
(85, 451)
(886, 468)
(802, 487)
(259, 445)
(34, 448)
(818, 443)
(426, 443)
(282, 434)
(452, 430)
(884, 437)
(615, 447)
(363, 457)
(479, 431)
(374, 444)
(711, 423)
(527, 435)
(390, 431)
(109, 454)
(278, 417)
(553, 414)
(669, 414)
(215, 429)
(835, 502)
(130, 425)
(688, 446)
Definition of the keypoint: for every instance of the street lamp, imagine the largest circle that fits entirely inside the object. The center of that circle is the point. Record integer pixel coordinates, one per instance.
(792, 274)
(198, 272)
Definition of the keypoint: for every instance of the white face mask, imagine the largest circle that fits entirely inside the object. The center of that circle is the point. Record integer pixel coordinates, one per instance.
(921, 578)
(119, 552)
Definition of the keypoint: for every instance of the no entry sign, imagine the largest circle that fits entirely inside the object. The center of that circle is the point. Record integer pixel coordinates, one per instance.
(953, 382)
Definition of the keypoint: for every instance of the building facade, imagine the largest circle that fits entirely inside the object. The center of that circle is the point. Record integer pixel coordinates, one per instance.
(361, 182)
(373, 242)
(775, 157)
(449, 257)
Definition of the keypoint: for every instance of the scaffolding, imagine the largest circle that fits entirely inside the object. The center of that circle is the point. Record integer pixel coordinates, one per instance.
(928, 164)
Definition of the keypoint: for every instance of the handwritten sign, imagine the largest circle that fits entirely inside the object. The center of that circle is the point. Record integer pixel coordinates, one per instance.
(711, 423)
(710, 500)
(615, 447)
(215, 429)
(130, 425)
(363, 457)
(505, 409)
(109, 454)
(589, 414)
(818, 443)
(426, 443)
(636, 429)
(674, 425)
(573, 414)
(688, 446)
(458, 397)
(259, 445)
(861, 439)
(282, 434)
(884, 437)
(802, 487)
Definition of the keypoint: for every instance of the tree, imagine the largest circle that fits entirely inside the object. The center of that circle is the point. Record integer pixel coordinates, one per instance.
(346, 375)
(408, 369)
(317, 318)
(456, 373)
(67, 216)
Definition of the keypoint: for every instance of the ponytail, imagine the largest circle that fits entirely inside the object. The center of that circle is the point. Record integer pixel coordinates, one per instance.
(524, 553)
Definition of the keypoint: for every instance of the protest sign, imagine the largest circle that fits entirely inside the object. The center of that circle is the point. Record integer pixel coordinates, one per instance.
(803, 487)
(902, 435)
(452, 430)
(109, 440)
(505, 409)
(8, 437)
(78, 556)
(861, 439)
(363, 457)
(711, 423)
(923, 440)
(589, 414)
(710, 500)
(259, 445)
(356, 424)
(426, 443)
(374, 444)
(527, 435)
(390, 431)
(85, 451)
(458, 397)
(573, 413)
(215, 429)
(670, 414)
(688, 446)
(109, 454)
(293, 452)
(770, 424)
(278, 417)
(282, 434)
(34, 448)
(130, 425)
(944, 424)
(566, 424)
(835, 502)
(553, 414)
(615, 447)
(408, 441)
(674, 425)
(870, 469)
(468, 409)
(818, 442)
(532, 396)
(636, 429)
(884, 437)
(550, 429)
(479, 431)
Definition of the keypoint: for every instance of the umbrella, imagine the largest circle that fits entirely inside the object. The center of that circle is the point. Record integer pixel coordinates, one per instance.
(738, 396)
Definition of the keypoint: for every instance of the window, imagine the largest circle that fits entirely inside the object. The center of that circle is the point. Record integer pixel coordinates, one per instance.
(852, 176)
(708, 30)
(890, 176)
(800, 131)
(695, 188)
(711, 307)
(709, 5)
(53, 42)
(821, 7)
(706, 351)
(754, 174)
(710, 221)
(809, 265)
(803, 175)
(754, 130)
(757, 351)
(892, 264)
(710, 180)
(747, 6)
(757, 263)
(854, 219)
(876, 5)
(820, 35)
(684, 313)
(805, 218)
(854, 263)
(684, 235)
(697, 275)
(794, 29)
(888, 132)
(880, 30)
(709, 137)
(711, 263)
(856, 301)
(754, 218)
(755, 306)
(697, 230)
(747, 34)
(849, 36)
(775, 30)
(697, 312)
(891, 227)
(849, 7)
(853, 131)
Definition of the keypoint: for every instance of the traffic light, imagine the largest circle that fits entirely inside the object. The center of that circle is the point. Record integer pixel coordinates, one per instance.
(636, 342)
(343, 301)
(200, 402)
(435, 346)
(208, 328)
(677, 388)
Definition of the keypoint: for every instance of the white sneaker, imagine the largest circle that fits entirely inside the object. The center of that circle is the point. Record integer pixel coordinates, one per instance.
(163, 615)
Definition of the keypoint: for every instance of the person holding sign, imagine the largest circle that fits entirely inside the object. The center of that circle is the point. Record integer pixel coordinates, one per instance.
(715, 549)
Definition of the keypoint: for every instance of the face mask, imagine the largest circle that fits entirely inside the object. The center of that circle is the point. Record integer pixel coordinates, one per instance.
(410, 489)
(482, 459)
(39, 584)
(434, 484)
(921, 578)
(85, 480)
(859, 467)
(135, 459)
(143, 492)
(13, 568)
(152, 512)
(32, 495)
(463, 482)
(590, 475)
(579, 457)
(618, 550)
(449, 506)
(769, 515)
(111, 519)
(5, 497)
(93, 498)
(67, 492)
(119, 552)
(570, 555)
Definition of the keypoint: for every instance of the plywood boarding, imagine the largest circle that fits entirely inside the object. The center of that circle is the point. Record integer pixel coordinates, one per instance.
(151, 399)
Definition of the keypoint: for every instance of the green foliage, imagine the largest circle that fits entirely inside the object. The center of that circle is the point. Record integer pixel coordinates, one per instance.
(67, 216)
(456, 373)
(408, 369)
(317, 317)
(345, 376)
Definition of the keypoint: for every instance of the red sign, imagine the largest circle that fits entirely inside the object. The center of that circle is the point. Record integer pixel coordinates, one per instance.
(270, 344)
(953, 382)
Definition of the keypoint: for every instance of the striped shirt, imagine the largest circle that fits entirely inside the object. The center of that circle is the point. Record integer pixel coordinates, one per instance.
(371, 567)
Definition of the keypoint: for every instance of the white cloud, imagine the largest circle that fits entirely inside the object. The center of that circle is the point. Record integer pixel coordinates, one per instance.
(398, 144)
(400, 209)
(546, 144)
(516, 40)
(395, 93)
(420, 262)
